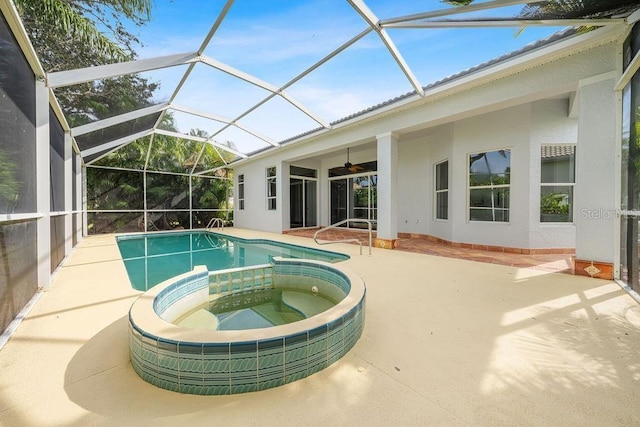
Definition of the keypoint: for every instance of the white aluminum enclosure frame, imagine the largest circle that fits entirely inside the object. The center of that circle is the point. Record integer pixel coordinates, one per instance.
(425, 20)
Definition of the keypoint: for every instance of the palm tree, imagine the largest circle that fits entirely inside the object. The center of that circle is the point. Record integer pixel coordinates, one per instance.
(66, 35)
(71, 17)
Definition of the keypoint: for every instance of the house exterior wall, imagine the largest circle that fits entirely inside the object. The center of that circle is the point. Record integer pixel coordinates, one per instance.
(523, 130)
(255, 214)
(520, 112)
(550, 125)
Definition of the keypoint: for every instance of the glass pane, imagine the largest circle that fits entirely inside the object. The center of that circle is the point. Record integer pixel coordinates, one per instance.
(19, 258)
(556, 203)
(271, 187)
(489, 198)
(442, 205)
(490, 168)
(209, 193)
(442, 176)
(310, 204)
(300, 171)
(114, 189)
(167, 191)
(630, 179)
(114, 222)
(296, 203)
(271, 171)
(338, 200)
(489, 204)
(493, 215)
(557, 164)
(373, 199)
(271, 204)
(359, 200)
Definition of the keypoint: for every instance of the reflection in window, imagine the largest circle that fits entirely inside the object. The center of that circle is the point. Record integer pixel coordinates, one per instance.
(442, 190)
(355, 198)
(489, 186)
(271, 188)
(241, 192)
(557, 179)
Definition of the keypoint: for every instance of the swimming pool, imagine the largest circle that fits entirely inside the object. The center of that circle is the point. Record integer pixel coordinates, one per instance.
(155, 257)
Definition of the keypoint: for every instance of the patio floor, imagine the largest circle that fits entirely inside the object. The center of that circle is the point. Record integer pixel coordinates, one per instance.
(558, 263)
(446, 342)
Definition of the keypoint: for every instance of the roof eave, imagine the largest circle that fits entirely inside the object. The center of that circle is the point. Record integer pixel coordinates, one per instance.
(495, 71)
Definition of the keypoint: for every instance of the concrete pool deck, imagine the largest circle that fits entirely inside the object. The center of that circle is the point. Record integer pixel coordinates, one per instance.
(446, 342)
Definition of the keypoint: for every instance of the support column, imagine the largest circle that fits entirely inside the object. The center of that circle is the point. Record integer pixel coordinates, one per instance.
(284, 202)
(595, 191)
(78, 207)
(43, 185)
(387, 191)
(83, 191)
(68, 195)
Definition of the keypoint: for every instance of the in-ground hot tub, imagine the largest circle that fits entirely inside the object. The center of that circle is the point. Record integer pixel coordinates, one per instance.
(213, 362)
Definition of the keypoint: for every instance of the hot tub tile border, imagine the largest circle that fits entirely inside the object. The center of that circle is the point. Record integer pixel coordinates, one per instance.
(217, 368)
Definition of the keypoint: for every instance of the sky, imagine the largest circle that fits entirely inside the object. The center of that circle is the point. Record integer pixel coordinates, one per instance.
(275, 41)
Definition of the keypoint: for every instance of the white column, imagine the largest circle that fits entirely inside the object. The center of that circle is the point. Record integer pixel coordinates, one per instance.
(43, 185)
(284, 198)
(68, 195)
(83, 193)
(387, 186)
(78, 202)
(596, 157)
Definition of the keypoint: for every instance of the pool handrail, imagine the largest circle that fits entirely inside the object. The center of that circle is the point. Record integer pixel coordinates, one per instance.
(213, 222)
(339, 223)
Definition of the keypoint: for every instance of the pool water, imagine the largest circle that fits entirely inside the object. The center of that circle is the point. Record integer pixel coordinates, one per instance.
(256, 309)
(153, 258)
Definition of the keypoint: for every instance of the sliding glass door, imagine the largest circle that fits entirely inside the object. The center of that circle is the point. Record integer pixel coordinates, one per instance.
(630, 171)
(354, 198)
(303, 196)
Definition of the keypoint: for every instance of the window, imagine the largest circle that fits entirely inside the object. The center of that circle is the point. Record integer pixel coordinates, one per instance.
(489, 185)
(442, 190)
(271, 188)
(557, 179)
(241, 192)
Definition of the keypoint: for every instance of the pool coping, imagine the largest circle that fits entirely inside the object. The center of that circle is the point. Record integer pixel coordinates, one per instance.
(143, 315)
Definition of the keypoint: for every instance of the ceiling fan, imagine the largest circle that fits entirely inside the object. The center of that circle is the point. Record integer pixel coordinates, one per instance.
(350, 166)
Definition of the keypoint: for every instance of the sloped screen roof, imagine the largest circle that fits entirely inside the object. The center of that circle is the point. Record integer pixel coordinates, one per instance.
(243, 78)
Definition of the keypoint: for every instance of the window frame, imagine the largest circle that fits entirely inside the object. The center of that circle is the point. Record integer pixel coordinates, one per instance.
(437, 192)
(572, 185)
(491, 187)
(271, 188)
(241, 192)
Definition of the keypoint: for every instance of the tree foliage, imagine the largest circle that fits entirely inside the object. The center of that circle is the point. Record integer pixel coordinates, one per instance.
(574, 8)
(78, 19)
(66, 36)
